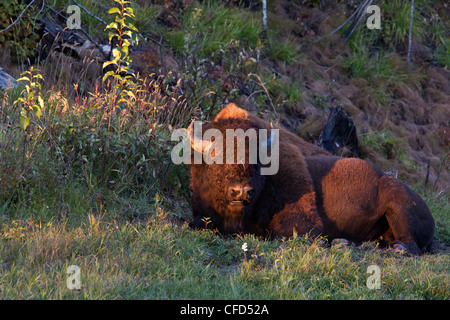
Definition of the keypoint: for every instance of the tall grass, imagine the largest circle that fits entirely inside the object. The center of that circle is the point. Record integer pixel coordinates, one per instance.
(369, 61)
(282, 49)
(218, 47)
(211, 27)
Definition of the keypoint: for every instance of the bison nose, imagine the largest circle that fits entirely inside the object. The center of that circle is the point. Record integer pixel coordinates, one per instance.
(235, 192)
(240, 194)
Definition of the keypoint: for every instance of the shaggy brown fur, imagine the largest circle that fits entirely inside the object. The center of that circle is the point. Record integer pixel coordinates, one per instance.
(319, 194)
(232, 111)
(357, 201)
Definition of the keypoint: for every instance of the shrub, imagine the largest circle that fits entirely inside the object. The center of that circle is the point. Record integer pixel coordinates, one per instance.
(120, 147)
(19, 38)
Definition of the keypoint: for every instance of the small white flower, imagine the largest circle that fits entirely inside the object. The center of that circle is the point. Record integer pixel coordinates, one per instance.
(244, 247)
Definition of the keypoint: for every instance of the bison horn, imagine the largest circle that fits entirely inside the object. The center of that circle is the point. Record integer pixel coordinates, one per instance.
(270, 141)
(198, 144)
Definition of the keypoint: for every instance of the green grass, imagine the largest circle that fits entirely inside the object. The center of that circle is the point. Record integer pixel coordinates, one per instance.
(210, 27)
(128, 248)
(285, 92)
(439, 205)
(281, 49)
(397, 17)
(443, 53)
(369, 61)
(385, 143)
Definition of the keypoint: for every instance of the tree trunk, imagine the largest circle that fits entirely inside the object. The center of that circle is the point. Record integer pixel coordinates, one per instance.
(264, 12)
(410, 32)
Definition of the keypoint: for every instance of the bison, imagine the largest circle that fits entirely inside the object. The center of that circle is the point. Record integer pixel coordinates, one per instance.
(313, 192)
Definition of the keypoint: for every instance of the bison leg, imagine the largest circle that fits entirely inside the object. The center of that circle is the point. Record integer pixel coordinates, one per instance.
(300, 217)
(409, 218)
(399, 225)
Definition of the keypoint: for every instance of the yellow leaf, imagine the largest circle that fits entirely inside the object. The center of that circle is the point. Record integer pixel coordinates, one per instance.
(112, 25)
(114, 10)
(109, 73)
(107, 63)
(41, 102)
(23, 79)
(24, 122)
(116, 53)
(37, 111)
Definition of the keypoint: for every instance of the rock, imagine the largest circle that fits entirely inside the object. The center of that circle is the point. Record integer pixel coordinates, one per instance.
(340, 242)
(6, 81)
(367, 246)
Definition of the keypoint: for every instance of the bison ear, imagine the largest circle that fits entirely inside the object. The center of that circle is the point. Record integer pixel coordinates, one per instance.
(197, 143)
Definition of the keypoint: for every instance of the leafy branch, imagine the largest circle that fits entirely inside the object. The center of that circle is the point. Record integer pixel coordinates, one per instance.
(125, 33)
(31, 101)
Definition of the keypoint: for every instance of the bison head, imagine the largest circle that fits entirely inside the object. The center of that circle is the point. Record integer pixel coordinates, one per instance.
(227, 189)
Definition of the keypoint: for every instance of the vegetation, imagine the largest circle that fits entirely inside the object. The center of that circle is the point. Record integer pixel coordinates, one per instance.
(124, 34)
(86, 177)
(133, 250)
(19, 38)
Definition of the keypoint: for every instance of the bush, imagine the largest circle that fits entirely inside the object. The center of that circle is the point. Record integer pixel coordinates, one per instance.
(20, 38)
(120, 147)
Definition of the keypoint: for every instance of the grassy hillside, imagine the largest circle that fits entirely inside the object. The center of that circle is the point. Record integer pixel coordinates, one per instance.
(86, 177)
